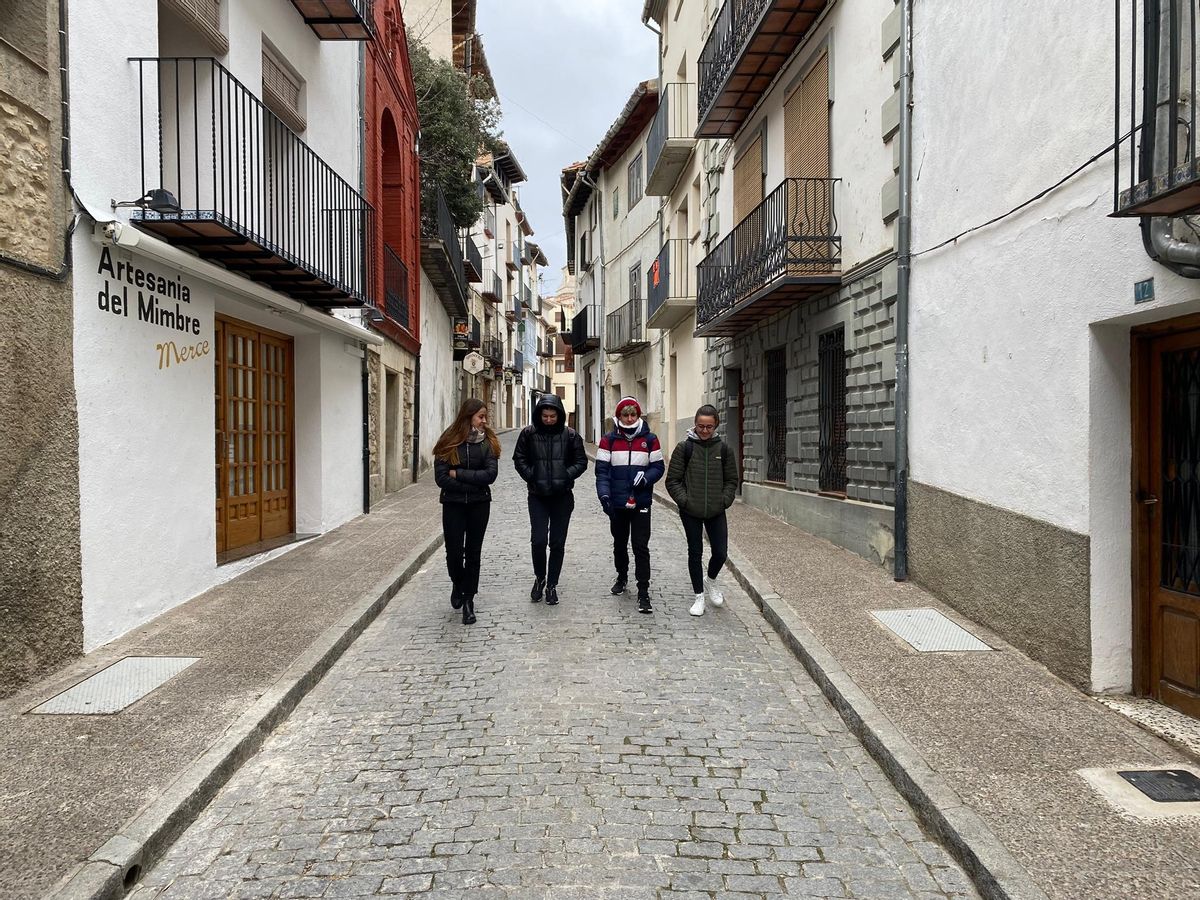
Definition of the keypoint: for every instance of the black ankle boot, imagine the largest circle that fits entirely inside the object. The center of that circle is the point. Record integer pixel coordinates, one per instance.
(456, 599)
(619, 585)
(552, 596)
(536, 594)
(468, 609)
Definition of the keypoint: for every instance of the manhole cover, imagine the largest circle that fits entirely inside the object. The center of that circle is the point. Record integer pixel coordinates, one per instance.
(1165, 785)
(111, 690)
(928, 630)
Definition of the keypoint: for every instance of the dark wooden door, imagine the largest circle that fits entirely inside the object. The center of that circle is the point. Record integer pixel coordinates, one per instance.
(1170, 501)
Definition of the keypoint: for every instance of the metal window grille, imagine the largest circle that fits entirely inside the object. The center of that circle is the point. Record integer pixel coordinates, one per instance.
(1180, 465)
(776, 379)
(395, 288)
(832, 410)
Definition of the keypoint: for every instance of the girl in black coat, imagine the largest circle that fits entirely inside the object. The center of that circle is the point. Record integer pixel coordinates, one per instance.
(465, 460)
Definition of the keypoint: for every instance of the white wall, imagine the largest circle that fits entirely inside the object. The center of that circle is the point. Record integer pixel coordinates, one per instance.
(439, 372)
(1020, 332)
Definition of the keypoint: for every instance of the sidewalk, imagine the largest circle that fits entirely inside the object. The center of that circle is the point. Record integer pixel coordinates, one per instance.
(112, 787)
(986, 746)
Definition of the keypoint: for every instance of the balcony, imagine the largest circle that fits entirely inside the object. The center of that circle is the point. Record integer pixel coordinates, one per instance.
(672, 286)
(518, 361)
(513, 258)
(397, 302)
(514, 311)
(441, 257)
(749, 43)
(585, 330)
(492, 349)
(472, 260)
(251, 195)
(624, 330)
(670, 142)
(489, 222)
(337, 20)
(527, 298)
(786, 249)
(495, 292)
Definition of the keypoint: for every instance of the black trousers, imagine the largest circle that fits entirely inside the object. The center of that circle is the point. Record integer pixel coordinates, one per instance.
(464, 525)
(627, 524)
(549, 517)
(718, 541)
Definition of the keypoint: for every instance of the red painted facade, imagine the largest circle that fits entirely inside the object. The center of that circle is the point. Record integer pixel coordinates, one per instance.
(393, 177)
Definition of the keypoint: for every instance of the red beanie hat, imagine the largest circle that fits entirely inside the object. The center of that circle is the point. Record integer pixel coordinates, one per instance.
(628, 401)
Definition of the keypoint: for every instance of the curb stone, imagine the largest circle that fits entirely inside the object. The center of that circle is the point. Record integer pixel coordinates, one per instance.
(995, 872)
(115, 868)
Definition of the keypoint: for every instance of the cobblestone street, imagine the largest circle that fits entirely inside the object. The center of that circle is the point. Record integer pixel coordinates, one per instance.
(582, 750)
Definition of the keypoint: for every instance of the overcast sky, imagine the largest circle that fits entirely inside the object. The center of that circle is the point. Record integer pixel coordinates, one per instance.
(564, 69)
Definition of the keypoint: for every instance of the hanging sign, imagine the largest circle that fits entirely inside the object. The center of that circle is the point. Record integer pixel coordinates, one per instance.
(474, 363)
(462, 333)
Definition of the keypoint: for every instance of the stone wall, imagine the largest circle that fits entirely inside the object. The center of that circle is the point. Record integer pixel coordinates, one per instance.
(40, 582)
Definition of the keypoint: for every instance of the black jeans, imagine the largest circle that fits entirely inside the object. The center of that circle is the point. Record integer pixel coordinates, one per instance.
(464, 525)
(718, 540)
(624, 525)
(549, 516)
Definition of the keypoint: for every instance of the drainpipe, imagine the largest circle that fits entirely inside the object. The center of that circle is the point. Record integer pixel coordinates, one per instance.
(362, 189)
(587, 179)
(903, 275)
(1161, 245)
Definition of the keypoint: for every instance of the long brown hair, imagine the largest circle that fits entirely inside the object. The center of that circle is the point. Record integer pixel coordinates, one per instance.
(446, 448)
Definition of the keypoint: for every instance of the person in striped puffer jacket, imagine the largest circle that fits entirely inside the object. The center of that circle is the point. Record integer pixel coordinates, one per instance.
(628, 462)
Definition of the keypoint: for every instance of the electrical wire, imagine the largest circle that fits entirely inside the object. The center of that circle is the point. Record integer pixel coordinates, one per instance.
(1036, 197)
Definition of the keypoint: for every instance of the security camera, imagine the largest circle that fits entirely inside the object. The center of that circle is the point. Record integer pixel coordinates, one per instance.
(111, 231)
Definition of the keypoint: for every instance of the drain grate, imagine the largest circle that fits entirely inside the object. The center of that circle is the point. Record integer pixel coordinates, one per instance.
(1165, 785)
(111, 690)
(928, 630)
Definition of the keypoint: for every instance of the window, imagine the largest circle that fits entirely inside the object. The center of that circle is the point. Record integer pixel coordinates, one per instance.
(616, 204)
(561, 391)
(282, 92)
(776, 378)
(583, 249)
(634, 189)
(635, 282)
(831, 410)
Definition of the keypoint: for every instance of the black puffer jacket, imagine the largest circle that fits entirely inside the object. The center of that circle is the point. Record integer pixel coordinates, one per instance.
(549, 457)
(475, 471)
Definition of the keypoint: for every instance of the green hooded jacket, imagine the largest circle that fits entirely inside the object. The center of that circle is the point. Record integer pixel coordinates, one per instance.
(705, 485)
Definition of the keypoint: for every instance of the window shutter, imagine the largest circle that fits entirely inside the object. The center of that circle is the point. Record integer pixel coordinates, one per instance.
(281, 92)
(205, 17)
(748, 180)
(806, 125)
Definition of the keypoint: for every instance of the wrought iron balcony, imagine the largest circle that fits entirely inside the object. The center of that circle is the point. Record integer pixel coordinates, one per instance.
(397, 300)
(441, 257)
(786, 249)
(252, 196)
(338, 20)
(513, 258)
(585, 329)
(489, 221)
(518, 363)
(494, 293)
(750, 42)
(476, 337)
(514, 311)
(472, 260)
(493, 350)
(625, 330)
(527, 297)
(672, 285)
(670, 142)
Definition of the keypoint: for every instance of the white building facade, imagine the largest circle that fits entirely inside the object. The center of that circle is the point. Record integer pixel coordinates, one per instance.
(219, 403)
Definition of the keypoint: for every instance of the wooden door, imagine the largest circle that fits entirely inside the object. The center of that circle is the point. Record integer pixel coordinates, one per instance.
(1170, 504)
(254, 412)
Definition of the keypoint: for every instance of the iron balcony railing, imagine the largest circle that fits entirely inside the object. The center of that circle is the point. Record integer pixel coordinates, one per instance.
(489, 221)
(625, 329)
(395, 289)
(675, 120)
(493, 349)
(476, 332)
(518, 361)
(338, 20)
(585, 329)
(791, 235)
(496, 292)
(250, 193)
(671, 276)
(472, 260)
(734, 26)
(514, 256)
(439, 225)
(527, 297)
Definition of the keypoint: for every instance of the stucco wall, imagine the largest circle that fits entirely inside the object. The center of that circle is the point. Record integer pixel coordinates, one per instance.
(440, 397)
(40, 591)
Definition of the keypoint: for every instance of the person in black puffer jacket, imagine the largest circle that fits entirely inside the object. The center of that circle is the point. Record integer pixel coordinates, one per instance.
(549, 457)
(465, 461)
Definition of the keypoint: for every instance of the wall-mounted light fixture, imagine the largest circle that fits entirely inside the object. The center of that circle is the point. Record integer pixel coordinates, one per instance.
(157, 200)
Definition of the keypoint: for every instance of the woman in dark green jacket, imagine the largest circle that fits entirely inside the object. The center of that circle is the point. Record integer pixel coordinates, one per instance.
(703, 480)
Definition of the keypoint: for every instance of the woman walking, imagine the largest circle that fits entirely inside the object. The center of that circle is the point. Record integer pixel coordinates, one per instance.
(703, 481)
(464, 465)
(549, 457)
(628, 462)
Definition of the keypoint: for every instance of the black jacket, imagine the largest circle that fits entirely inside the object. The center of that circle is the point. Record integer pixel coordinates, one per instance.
(549, 457)
(476, 469)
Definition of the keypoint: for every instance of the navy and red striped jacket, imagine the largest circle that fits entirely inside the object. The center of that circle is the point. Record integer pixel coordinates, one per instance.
(619, 459)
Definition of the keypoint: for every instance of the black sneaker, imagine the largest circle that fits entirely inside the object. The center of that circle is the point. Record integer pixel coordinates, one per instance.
(552, 596)
(456, 599)
(619, 585)
(536, 594)
(468, 609)
(644, 602)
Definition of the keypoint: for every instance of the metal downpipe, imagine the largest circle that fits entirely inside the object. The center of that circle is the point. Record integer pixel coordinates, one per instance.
(903, 278)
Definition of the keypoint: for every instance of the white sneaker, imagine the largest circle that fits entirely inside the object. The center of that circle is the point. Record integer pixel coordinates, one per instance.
(712, 592)
(698, 607)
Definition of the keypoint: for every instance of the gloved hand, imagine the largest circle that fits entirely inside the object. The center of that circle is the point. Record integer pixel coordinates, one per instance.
(604, 504)
(639, 478)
